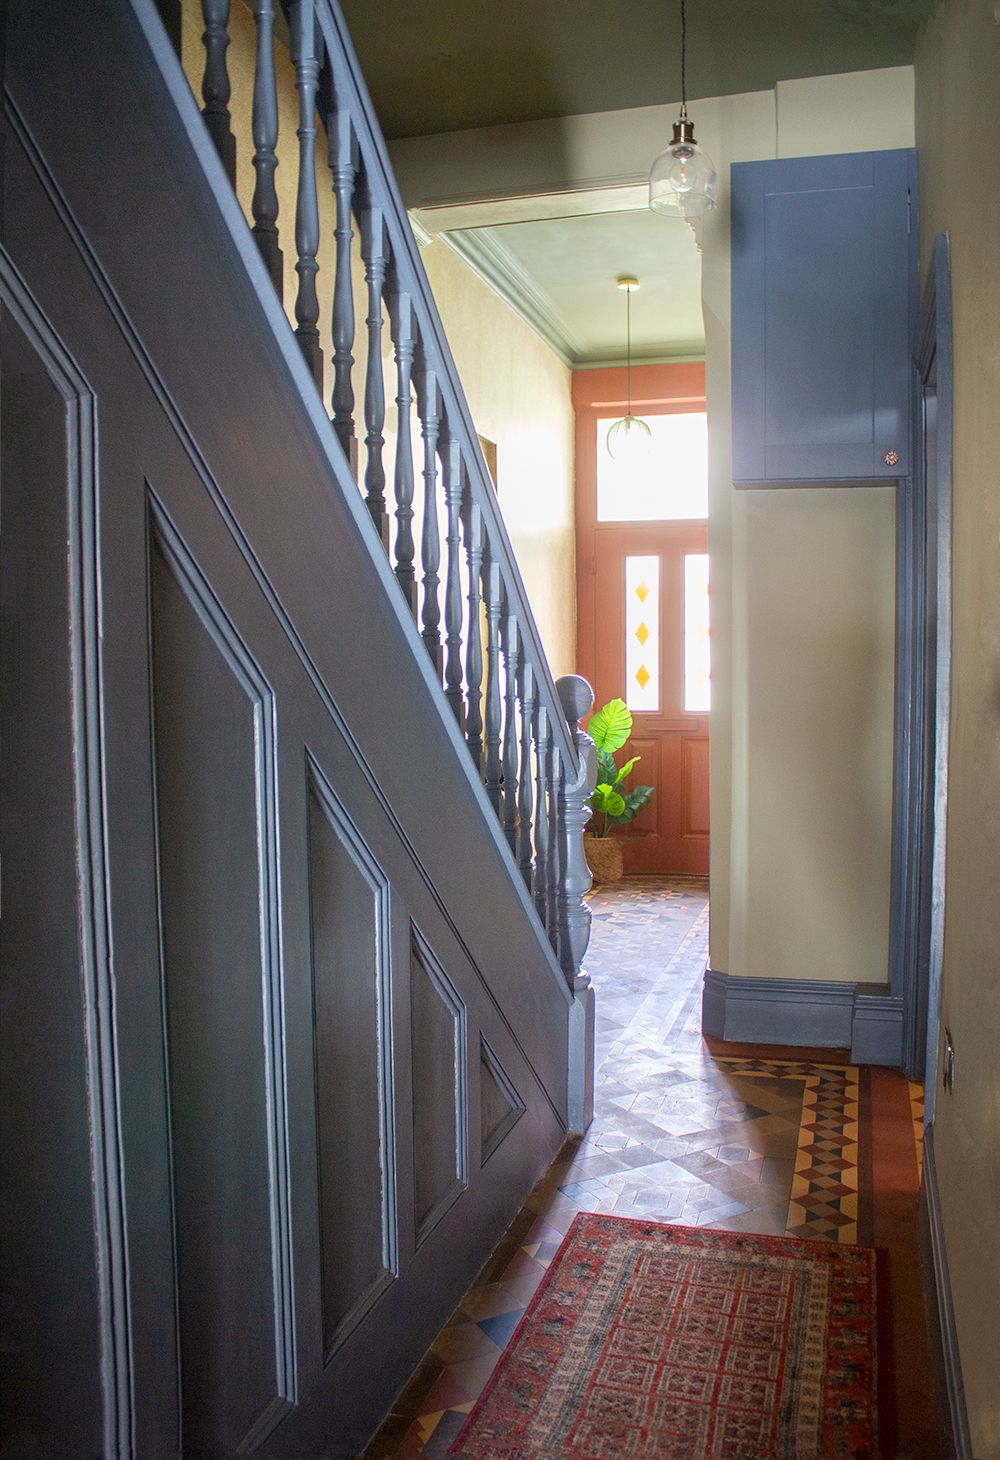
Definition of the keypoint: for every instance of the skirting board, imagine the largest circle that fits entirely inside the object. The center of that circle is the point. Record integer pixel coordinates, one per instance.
(816, 1012)
(944, 1337)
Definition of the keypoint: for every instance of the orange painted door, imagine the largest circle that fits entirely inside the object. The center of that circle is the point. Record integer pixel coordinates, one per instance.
(642, 602)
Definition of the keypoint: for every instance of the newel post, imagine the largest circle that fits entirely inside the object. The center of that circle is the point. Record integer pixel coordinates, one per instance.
(576, 785)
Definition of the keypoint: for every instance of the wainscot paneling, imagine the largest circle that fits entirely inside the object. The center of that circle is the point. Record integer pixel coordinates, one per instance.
(500, 1106)
(213, 748)
(349, 914)
(440, 1088)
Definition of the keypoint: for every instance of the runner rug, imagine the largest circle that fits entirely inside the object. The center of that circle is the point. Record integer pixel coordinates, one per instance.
(685, 1344)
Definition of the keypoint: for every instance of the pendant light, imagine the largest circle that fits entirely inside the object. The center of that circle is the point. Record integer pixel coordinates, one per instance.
(682, 180)
(628, 438)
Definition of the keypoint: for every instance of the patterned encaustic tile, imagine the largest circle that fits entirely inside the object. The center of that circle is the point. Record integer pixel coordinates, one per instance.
(680, 1134)
(917, 1112)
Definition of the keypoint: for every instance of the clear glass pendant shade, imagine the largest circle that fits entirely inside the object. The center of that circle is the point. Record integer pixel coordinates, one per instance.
(629, 439)
(683, 182)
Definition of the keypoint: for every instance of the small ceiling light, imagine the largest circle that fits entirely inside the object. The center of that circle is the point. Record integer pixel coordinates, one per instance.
(629, 437)
(682, 180)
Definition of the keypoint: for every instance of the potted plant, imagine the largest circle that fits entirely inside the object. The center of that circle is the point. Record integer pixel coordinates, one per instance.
(610, 803)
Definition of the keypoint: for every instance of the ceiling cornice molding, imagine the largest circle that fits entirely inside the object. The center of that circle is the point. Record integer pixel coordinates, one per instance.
(487, 257)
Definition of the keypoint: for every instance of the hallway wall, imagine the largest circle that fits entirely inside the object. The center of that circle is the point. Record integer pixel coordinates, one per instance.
(958, 97)
(802, 621)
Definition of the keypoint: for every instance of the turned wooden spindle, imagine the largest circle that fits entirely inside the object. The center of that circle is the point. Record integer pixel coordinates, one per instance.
(511, 658)
(453, 679)
(215, 88)
(306, 60)
(264, 205)
(472, 520)
(429, 409)
(542, 757)
(401, 330)
(494, 763)
(343, 159)
(526, 788)
(373, 253)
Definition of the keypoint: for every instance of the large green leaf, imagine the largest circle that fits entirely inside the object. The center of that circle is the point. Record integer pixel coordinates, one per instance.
(607, 771)
(606, 799)
(632, 803)
(625, 770)
(611, 726)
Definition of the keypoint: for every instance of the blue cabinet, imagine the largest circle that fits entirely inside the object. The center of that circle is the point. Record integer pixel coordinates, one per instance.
(824, 271)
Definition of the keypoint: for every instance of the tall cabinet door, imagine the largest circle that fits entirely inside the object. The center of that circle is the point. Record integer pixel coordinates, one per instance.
(823, 260)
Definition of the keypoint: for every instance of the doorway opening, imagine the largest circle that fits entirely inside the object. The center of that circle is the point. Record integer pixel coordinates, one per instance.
(643, 597)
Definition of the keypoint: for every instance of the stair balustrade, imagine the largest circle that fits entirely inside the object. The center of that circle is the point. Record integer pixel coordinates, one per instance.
(524, 740)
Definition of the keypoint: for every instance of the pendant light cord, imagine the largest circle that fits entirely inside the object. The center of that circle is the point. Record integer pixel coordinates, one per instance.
(628, 348)
(684, 99)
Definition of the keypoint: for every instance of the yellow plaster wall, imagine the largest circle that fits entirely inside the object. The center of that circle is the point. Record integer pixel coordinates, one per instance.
(958, 136)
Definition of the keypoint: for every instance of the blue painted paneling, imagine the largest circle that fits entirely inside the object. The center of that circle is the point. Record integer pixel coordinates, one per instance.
(823, 263)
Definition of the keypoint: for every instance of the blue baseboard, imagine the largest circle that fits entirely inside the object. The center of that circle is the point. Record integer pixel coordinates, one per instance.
(859, 1017)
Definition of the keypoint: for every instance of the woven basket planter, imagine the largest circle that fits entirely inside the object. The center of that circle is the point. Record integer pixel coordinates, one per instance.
(604, 857)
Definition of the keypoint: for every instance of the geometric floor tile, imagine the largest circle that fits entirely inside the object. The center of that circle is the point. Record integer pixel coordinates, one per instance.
(680, 1134)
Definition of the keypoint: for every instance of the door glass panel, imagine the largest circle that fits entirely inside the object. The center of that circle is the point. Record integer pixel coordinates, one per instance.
(697, 687)
(642, 633)
(663, 479)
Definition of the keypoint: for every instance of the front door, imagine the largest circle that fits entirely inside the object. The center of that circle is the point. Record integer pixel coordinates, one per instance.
(643, 599)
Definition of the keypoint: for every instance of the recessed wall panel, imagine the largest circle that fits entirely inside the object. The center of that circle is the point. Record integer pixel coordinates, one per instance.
(349, 918)
(440, 1134)
(215, 834)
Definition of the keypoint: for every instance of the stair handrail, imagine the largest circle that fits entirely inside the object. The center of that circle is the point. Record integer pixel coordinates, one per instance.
(349, 82)
(521, 729)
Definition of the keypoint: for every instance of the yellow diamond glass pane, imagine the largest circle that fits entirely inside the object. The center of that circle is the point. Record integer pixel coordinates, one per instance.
(697, 648)
(667, 481)
(642, 633)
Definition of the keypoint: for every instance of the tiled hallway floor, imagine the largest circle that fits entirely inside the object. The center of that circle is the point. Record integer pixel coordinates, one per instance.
(728, 1136)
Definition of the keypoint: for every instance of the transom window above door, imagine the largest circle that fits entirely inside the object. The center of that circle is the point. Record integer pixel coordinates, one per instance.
(665, 480)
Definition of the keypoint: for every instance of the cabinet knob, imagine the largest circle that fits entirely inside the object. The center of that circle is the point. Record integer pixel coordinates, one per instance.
(891, 458)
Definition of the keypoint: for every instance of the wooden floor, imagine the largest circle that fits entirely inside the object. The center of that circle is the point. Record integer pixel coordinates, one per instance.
(745, 1138)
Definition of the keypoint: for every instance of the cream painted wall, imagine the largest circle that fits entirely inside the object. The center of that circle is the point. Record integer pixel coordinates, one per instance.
(818, 696)
(518, 390)
(802, 624)
(519, 393)
(826, 817)
(958, 97)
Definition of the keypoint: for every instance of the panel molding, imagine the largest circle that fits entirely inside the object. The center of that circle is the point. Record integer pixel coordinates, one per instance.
(944, 1330)
(692, 745)
(425, 958)
(164, 536)
(824, 1013)
(87, 712)
(493, 1139)
(313, 409)
(369, 869)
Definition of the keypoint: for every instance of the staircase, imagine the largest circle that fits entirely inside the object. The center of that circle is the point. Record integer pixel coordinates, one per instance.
(294, 1006)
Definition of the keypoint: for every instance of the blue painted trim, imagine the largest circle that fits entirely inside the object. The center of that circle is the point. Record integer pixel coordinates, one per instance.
(97, 983)
(934, 359)
(876, 1029)
(944, 1332)
(864, 1018)
(777, 1010)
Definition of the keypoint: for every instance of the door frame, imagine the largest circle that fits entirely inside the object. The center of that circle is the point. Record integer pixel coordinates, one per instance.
(673, 388)
(918, 941)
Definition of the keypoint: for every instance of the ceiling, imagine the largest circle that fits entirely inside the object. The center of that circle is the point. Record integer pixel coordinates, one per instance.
(444, 65)
(560, 273)
(441, 66)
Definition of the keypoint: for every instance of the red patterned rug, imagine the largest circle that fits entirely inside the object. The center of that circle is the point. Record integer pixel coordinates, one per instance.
(685, 1344)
